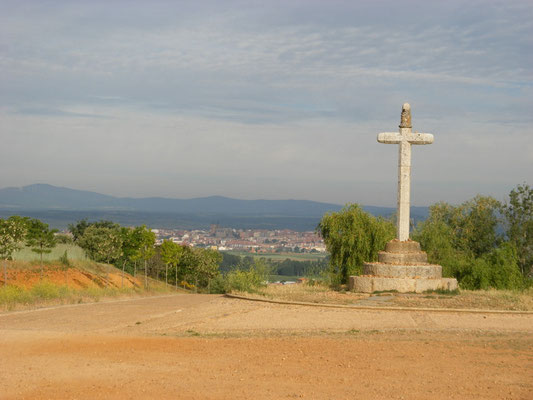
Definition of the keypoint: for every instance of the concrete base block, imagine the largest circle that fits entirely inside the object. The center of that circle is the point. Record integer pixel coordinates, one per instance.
(370, 284)
(402, 271)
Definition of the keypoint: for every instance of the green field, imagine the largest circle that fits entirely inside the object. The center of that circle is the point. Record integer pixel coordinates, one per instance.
(73, 253)
(282, 256)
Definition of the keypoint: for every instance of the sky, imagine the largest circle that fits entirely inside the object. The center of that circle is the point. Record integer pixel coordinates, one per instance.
(266, 99)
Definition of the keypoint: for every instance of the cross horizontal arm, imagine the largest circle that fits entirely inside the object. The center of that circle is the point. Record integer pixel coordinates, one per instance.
(420, 138)
(389, 137)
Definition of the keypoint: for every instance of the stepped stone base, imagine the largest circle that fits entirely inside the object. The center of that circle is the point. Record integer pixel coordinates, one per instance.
(401, 267)
(369, 284)
(403, 271)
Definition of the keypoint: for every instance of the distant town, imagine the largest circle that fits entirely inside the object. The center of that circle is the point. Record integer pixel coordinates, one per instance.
(245, 240)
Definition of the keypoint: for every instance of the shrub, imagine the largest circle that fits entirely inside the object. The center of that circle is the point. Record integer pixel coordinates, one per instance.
(242, 280)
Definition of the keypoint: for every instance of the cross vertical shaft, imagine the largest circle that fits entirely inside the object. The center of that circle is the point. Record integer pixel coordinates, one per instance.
(404, 188)
(405, 138)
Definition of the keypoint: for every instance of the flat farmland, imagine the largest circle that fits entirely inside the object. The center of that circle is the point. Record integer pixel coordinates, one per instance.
(212, 347)
(281, 256)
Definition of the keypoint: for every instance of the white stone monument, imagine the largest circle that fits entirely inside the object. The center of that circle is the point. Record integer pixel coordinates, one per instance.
(402, 266)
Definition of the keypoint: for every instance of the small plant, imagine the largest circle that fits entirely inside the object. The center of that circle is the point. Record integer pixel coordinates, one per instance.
(63, 259)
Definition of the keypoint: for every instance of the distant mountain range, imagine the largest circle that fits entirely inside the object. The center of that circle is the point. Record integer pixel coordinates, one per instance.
(58, 206)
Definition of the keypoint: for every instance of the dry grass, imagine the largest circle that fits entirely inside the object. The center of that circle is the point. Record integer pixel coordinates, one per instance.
(464, 299)
(477, 299)
(309, 293)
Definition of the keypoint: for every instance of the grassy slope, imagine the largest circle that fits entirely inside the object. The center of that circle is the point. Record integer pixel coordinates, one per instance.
(73, 253)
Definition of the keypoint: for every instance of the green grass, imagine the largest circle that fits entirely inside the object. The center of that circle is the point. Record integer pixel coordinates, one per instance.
(282, 256)
(73, 253)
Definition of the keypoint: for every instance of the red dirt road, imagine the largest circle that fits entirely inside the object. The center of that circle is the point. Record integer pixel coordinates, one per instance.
(210, 347)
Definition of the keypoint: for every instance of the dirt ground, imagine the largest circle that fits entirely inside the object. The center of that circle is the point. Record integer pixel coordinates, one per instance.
(212, 347)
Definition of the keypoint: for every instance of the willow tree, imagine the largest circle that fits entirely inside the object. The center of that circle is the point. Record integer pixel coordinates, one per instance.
(352, 237)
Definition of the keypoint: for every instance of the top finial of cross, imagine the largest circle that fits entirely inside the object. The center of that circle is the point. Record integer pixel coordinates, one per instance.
(406, 116)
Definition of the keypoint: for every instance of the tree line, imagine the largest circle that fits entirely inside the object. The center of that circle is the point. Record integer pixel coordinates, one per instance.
(133, 248)
(483, 243)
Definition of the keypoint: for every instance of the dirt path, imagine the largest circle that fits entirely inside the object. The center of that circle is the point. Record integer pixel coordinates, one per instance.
(211, 347)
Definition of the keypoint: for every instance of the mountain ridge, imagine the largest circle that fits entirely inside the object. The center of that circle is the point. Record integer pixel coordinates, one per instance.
(60, 206)
(48, 197)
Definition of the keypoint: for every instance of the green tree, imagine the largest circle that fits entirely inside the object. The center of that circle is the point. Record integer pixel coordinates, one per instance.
(518, 214)
(207, 262)
(352, 236)
(79, 228)
(170, 254)
(464, 240)
(40, 238)
(102, 244)
(473, 223)
(146, 248)
(131, 243)
(12, 234)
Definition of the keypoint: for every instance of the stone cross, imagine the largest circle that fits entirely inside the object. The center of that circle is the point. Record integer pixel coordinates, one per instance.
(405, 138)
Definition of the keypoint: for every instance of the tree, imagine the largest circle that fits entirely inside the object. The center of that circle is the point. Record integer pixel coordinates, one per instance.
(352, 237)
(12, 234)
(518, 214)
(170, 254)
(79, 229)
(464, 240)
(472, 224)
(40, 238)
(101, 244)
(146, 248)
(207, 262)
(131, 243)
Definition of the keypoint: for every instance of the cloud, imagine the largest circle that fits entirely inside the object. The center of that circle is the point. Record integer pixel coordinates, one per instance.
(255, 99)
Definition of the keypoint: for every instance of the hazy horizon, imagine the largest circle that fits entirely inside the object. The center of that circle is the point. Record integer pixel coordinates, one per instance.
(275, 100)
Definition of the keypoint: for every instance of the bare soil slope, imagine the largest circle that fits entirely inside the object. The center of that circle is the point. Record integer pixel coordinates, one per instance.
(86, 274)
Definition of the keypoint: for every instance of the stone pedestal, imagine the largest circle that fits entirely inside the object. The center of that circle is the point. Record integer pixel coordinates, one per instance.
(402, 267)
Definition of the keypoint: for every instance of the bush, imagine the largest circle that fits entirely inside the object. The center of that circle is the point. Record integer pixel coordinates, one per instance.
(63, 259)
(47, 291)
(242, 280)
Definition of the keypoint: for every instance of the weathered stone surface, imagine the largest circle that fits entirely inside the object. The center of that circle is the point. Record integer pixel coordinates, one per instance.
(403, 258)
(405, 121)
(405, 138)
(370, 284)
(395, 246)
(402, 271)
